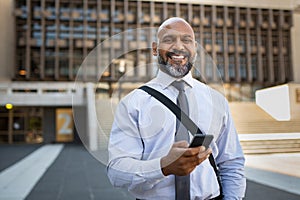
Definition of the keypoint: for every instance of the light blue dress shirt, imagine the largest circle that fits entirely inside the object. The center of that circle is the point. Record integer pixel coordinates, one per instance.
(144, 131)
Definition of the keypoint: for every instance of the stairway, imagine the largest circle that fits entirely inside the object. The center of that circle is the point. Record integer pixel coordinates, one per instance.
(249, 118)
(263, 133)
(271, 145)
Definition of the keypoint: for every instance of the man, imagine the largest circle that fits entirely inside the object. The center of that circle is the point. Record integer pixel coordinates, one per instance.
(145, 156)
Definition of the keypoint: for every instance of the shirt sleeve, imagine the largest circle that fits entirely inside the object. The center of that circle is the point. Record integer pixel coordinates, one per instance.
(231, 161)
(126, 167)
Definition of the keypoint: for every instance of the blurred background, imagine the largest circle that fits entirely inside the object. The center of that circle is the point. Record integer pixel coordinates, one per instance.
(254, 45)
(44, 42)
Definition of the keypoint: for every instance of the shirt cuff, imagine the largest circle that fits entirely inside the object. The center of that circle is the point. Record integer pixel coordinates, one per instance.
(151, 170)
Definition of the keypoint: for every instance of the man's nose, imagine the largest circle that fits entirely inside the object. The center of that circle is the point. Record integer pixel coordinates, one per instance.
(178, 45)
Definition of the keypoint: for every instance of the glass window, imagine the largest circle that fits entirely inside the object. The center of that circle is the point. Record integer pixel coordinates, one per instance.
(275, 38)
(77, 12)
(36, 37)
(286, 39)
(132, 13)
(21, 59)
(243, 68)
(230, 37)
(207, 37)
(220, 65)
(119, 14)
(254, 67)
(146, 16)
(4, 123)
(253, 19)
(21, 11)
(231, 67)
(288, 74)
(276, 69)
(50, 34)
(64, 12)
(36, 11)
(231, 17)
(220, 16)
(92, 13)
(253, 38)
(219, 40)
(184, 11)
(265, 67)
(243, 17)
(49, 63)
(64, 63)
(208, 15)
(50, 12)
(104, 14)
(264, 41)
(91, 32)
(104, 33)
(208, 68)
(35, 63)
(171, 10)
(159, 13)
(242, 41)
(77, 60)
(196, 15)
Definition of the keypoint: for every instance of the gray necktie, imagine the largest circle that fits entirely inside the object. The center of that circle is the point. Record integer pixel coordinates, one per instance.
(182, 182)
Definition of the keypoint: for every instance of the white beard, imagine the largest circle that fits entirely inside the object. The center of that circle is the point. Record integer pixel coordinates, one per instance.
(174, 71)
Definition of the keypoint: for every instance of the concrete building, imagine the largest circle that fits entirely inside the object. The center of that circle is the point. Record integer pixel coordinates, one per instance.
(44, 43)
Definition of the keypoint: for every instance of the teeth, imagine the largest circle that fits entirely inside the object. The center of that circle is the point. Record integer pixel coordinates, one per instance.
(177, 57)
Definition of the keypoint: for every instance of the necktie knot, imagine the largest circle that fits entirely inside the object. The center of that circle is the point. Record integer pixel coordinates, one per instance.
(179, 85)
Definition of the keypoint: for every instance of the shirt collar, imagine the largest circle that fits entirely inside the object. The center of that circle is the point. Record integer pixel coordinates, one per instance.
(166, 80)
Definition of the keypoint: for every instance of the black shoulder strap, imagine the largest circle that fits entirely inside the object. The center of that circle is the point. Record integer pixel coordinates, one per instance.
(185, 120)
(181, 116)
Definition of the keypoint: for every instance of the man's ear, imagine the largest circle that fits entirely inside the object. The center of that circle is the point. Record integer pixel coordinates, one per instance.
(154, 48)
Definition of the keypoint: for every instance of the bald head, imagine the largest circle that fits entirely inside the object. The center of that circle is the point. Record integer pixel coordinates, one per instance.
(176, 24)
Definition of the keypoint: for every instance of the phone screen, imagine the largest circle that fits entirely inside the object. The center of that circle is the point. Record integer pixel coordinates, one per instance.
(201, 140)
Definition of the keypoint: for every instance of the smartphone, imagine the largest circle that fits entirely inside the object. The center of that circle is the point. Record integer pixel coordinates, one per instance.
(201, 140)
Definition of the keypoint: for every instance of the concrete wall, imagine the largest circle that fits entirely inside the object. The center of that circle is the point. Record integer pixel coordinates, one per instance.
(42, 93)
(7, 38)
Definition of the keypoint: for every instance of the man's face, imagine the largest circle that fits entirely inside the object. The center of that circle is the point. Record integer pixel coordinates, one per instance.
(176, 48)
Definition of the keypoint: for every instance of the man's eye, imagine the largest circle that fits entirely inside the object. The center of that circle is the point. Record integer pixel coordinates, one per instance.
(187, 41)
(167, 40)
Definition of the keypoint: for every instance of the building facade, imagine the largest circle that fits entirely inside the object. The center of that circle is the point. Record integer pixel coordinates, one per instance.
(252, 43)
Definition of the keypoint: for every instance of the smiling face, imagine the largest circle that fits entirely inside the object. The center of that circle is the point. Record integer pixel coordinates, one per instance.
(176, 47)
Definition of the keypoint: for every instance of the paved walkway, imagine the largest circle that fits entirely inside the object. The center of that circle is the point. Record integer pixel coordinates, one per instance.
(17, 181)
(70, 172)
(286, 164)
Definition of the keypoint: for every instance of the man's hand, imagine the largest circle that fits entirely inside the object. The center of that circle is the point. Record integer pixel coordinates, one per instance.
(182, 160)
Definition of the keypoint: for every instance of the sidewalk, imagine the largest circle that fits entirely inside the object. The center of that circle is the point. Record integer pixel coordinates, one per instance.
(76, 175)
